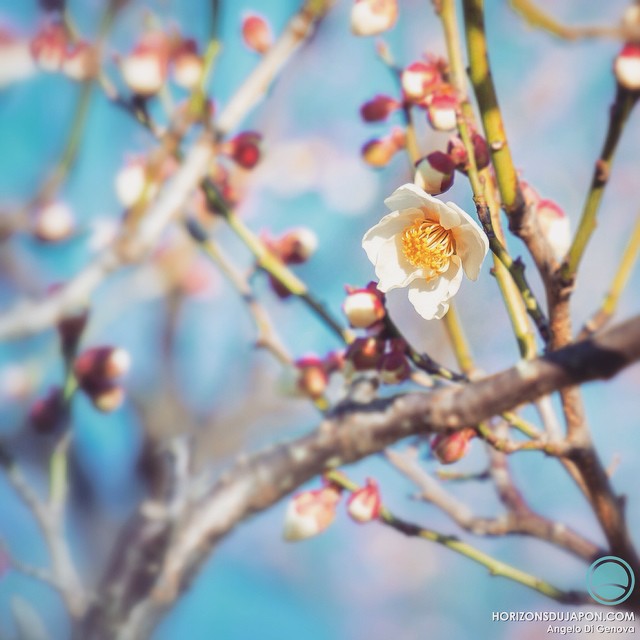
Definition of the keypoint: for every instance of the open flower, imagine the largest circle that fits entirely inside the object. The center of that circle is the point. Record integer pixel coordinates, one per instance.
(426, 245)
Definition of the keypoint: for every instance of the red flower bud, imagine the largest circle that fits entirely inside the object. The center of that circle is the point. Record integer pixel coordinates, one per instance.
(187, 65)
(379, 108)
(442, 107)
(295, 246)
(554, 225)
(312, 376)
(364, 307)
(244, 149)
(419, 80)
(364, 504)
(363, 354)
(49, 46)
(379, 151)
(626, 66)
(394, 367)
(97, 368)
(451, 447)
(80, 62)
(435, 172)
(256, 33)
(145, 69)
(107, 399)
(47, 413)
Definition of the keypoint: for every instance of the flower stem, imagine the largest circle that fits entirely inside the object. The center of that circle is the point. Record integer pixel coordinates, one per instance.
(620, 111)
(610, 303)
(496, 567)
(458, 341)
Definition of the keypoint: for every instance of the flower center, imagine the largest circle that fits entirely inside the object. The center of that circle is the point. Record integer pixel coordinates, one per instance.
(428, 245)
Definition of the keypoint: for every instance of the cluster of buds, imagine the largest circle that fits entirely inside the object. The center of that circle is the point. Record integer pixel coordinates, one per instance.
(256, 33)
(54, 51)
(373, 17)
(552, 220)
(98, 371)
(52, 222)
(435, 172)
(146, 68)
(311, 512)
(378, 152)
(243, 149)
(376, 351)
(448, 448)
(295, 246)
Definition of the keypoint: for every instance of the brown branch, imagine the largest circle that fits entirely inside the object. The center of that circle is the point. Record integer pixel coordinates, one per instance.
(519, 519)
(351, 434)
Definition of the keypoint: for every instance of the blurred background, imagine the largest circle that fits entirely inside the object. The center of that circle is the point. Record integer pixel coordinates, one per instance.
(352, 582)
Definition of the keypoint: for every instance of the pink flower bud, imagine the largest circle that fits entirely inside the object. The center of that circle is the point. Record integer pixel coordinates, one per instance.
(312, 377)
(372, 17)
(187, 65)
(393, 367)
(53, 222)
(379, 151)
(310, 513)
(145, 69)
(244, 149)
(99, 367)
(49, 46)
(554, 225)
(364, 504)
(435, 172)
(80, 62)
(451, 447)
(47, 413)
(420, 79)
(256, 33)
(626, 66)
(379, 108)
(442, 109)
(458, 153)
(364, 307)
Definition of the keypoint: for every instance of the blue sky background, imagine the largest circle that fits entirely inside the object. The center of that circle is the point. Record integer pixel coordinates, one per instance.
(353, 582)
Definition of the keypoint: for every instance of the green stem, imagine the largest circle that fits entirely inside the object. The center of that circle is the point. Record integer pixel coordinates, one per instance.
(458, 341)
(496, 567)
(620, 111)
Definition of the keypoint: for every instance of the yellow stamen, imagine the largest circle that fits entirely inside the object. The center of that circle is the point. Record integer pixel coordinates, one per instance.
(428, 245)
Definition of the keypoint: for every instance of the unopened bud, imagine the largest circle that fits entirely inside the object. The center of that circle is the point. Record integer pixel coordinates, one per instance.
(244, 149)
(49, 46)
(364, 504)
(16, 59)
(442, 109)
(451, 447)
(47, 413)
(458, 153)
(98, 367)
(296, 246)
(394, 367)
(372, 17)
(187, 65)
(256, 33)
(363, 354)
(555, 226)
(107, 399)
(145, 69)
(626, 66)
(53, 222)
(419, 80)
(379, 151)
(131, 181)
(312, 377)
(435, 173)
(310, 513)
(364, 307)
(379, 108)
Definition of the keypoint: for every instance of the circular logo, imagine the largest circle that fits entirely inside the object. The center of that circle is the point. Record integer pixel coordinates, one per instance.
(610, 580)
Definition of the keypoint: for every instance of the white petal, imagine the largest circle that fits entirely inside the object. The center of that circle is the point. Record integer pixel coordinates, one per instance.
(392, 268)
(430, 298)
(390, 226)
(472, 243)
(410, 196)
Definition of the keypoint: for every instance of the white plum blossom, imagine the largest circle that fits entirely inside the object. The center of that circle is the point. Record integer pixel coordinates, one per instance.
(425, 245)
